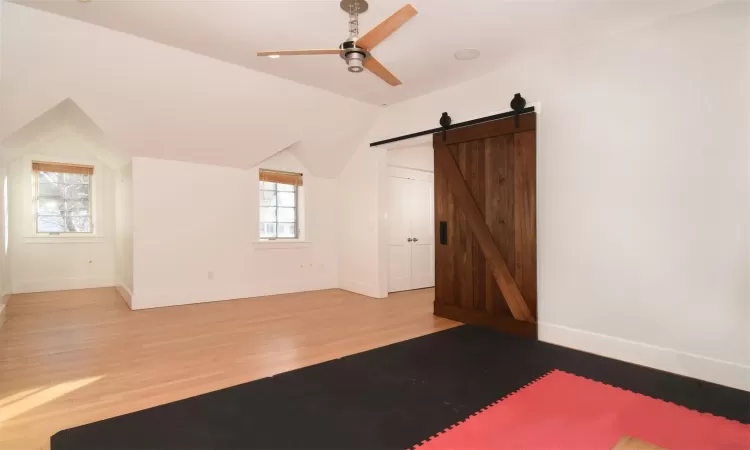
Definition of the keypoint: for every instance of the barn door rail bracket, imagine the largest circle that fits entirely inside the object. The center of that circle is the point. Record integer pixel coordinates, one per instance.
(518, 107)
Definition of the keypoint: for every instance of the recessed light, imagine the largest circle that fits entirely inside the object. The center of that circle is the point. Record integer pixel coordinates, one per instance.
(466, 54)
(274, 56)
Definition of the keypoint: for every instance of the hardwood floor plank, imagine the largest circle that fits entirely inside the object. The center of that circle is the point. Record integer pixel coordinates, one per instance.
(74, 357)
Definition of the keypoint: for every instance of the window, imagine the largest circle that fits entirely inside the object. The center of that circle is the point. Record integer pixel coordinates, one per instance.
(279, 204)
(62, 197)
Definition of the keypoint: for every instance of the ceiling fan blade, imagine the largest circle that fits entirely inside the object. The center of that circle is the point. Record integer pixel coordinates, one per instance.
(302, 52)
(387, 27)
(374, 66)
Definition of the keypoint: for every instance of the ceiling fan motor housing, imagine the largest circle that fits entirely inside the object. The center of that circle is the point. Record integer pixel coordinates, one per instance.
(354, 56)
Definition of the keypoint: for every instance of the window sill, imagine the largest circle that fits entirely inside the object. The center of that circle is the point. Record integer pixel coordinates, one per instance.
(63, 240)
(281, 244)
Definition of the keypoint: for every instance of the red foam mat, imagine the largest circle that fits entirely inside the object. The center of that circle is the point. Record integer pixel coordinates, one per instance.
(565, 411)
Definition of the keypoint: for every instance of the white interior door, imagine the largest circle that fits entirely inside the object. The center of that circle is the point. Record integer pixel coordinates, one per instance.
(411, 245)
(399, 246)
(422, 234)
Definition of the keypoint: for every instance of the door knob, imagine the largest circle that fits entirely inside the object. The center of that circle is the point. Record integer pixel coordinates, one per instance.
(415, 239)
(408, 240)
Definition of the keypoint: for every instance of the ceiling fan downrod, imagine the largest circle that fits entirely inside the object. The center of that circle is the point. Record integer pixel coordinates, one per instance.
(353, 55)
(354, 21)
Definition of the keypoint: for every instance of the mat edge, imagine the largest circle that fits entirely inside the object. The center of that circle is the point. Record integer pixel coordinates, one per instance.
(438, 434)
(480, 411)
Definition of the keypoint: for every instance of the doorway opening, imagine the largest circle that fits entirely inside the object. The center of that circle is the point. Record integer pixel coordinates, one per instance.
(411, 212)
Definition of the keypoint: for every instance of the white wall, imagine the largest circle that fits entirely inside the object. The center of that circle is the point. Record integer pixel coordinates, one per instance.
(196, 234)
(643, 189)
(363, 248)
(4, 273)
(5, 286)
(44, 263)
(124, 231)
(420, 157)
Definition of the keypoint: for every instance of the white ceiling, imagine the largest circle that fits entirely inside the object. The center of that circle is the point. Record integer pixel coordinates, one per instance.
(420, 53)
(156, 101)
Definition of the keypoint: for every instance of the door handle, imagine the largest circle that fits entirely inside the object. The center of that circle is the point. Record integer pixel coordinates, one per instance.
(415, 239)
(409, 240)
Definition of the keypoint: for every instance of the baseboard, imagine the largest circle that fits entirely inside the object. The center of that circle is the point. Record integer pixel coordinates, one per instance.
(125, 294)
(359, 288)
(696, 366)
(166, 299)
(60, 284)
(2, 315)
(292, 287)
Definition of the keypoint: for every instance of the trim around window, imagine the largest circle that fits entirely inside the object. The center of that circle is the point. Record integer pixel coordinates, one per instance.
(67, 238)
(25, 174)
(281, 244)
(279, 206)
(66, 183)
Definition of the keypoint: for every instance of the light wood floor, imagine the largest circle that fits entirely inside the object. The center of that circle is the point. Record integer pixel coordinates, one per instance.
(70, 358)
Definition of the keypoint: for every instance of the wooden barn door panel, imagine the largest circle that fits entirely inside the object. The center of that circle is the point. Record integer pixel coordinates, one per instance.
(498, 174)
(463, 243)
(525, 216)
(485, 191)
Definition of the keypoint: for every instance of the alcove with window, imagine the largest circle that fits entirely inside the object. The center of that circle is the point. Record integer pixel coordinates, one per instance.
(62, 204)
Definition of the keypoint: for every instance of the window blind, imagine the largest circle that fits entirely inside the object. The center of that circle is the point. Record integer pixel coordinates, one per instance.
(273, 176)
(61, 168)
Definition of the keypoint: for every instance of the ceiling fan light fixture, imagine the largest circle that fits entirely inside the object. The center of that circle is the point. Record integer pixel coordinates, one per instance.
(274, 56)
(355, 61)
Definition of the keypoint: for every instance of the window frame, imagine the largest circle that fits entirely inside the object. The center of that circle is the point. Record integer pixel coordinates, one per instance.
(35, 208)
(295, 191)
(21, 174)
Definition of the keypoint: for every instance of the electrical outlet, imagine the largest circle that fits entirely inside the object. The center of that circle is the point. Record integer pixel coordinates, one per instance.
(210, 275)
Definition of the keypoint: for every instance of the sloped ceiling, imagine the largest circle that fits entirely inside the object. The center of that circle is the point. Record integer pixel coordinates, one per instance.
(420, 53)
(156, 101)
(65, 118)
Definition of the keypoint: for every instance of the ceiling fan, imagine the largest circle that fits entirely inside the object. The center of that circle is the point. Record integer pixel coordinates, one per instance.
(356, 50)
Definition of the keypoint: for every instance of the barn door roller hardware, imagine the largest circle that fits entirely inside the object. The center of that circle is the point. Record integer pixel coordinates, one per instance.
(517, 105)
(445, 122)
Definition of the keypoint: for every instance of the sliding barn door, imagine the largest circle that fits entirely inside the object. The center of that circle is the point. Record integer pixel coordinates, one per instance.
(485, 225)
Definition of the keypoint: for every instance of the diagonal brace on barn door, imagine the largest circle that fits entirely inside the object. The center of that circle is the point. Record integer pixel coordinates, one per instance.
(474, 218)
